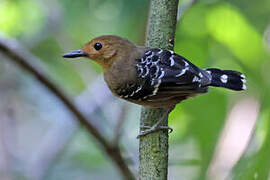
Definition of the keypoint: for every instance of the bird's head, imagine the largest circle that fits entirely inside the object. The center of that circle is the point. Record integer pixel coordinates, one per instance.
(104, 50)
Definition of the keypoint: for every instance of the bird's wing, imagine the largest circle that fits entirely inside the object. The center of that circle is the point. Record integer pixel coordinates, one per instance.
(163, 74)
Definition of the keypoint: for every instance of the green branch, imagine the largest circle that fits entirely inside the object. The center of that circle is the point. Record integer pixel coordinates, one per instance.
(154, 147)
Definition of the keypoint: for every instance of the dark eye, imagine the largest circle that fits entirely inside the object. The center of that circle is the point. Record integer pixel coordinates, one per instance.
(98, 46)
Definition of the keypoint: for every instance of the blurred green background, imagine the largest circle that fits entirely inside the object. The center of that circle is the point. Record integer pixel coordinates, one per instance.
(220, 135)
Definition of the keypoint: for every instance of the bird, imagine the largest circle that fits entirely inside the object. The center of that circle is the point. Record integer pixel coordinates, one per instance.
(151, 76)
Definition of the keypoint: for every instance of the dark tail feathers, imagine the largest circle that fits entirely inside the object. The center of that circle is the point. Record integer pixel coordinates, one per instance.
(227, 78)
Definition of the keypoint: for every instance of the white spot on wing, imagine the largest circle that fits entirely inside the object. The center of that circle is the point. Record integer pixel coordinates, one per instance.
(162, 74)
(147, 72)
(244, 87)
(148, 58)
(171, 52)
(182, 72)
(186, 64)
(140, 70)
(243, 76)
(152, 82)
(147, 53)
(143, 60)
(209, 72)
(196, 79)
(172, 61)
(224, 78)
(159, 52)
(132, 93)
(140, 87)
(156, 87)
(156, 73)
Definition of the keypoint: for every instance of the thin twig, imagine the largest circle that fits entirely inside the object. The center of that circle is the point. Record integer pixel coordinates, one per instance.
(21, 56)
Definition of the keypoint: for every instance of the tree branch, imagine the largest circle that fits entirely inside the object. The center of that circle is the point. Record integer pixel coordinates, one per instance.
(59, 135)
(154, 147)
(22, 57)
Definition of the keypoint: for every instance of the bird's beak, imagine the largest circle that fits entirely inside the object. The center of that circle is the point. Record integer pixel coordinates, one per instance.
(74, 54)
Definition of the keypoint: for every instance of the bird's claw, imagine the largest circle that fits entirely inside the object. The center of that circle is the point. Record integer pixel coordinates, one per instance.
(152, 129)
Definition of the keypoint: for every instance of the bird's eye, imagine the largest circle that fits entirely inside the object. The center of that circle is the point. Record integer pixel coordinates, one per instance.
(98, 46)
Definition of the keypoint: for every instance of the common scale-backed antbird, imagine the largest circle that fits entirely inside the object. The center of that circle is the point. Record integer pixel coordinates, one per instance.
(153, 77)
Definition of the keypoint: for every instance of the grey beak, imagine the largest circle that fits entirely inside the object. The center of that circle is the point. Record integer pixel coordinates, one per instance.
(74, 54)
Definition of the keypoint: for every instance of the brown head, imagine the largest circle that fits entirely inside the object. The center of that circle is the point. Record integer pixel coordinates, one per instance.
(104, 50)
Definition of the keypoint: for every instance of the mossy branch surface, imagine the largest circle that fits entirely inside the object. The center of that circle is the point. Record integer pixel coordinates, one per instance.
(153, 148)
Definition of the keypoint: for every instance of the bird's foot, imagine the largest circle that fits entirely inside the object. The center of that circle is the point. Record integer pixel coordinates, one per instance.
(154, 128)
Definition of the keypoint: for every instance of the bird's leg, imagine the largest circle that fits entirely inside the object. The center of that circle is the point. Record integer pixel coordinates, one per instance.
(157, 126)
(161, 127)
(154, 128)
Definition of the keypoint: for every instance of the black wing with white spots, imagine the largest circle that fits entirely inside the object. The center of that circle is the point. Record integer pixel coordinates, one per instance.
(163, 74)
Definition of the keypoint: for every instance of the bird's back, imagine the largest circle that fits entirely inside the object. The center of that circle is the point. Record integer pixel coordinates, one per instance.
(157, 78)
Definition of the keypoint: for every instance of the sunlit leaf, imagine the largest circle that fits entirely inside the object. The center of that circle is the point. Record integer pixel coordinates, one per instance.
(228, 26)
(17, 17)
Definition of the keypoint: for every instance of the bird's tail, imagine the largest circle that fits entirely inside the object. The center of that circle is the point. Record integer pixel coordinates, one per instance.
(227, 78)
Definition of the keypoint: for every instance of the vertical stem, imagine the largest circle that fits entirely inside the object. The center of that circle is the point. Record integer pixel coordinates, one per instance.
(154, 147)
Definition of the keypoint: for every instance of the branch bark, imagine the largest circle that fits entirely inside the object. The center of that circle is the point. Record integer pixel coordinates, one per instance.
(154, 147)
(22, 57)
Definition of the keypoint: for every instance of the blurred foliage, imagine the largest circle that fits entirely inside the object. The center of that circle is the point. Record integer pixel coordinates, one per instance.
(224, 34)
